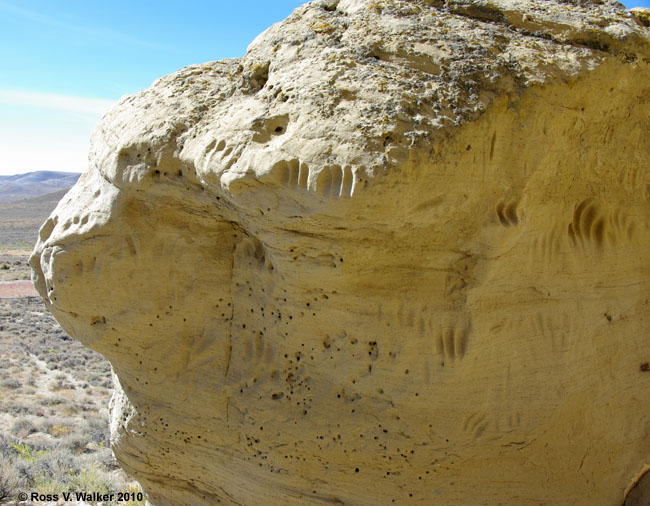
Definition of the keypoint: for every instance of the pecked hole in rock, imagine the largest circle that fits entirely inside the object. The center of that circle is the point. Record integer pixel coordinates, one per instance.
(266, 128)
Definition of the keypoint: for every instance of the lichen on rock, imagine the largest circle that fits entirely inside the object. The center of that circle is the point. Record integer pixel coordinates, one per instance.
(396, 254)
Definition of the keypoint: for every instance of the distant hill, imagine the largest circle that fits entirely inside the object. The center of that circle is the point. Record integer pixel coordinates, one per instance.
(33, 184)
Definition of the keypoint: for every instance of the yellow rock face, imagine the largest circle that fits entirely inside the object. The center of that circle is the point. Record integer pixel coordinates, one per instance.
(397, 254)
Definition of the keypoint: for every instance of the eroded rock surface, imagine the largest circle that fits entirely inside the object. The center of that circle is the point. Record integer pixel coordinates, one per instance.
(397, 254)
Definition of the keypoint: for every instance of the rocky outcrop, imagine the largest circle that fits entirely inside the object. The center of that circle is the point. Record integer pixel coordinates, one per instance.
(397, 254)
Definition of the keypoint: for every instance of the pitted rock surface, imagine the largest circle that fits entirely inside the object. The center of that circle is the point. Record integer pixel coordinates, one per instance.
(396, 254)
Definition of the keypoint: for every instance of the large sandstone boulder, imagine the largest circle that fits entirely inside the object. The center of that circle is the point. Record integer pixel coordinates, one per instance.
(397, 254)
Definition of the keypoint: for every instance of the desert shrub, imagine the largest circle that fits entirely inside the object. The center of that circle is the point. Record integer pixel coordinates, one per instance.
(104, 456)
(28, 453)
(55, 465)
(132, 488)
(60, 384)
(85, 406)
(95, 379)
(96, 430)
(63, 474)
(5, 448)
(20, 408)
(9, 480)
(11, 383)
(23, 470)
(92, 478)
(37, 411)
(76, 443)
(52, 401)
(72, 363)
(48, 484)
(58, 430)
(22, 427)
(17, 409)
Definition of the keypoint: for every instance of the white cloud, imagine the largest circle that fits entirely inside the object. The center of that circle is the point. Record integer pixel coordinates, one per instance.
(94, 106)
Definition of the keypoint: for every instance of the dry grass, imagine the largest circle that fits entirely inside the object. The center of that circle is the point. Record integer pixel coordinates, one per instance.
(14, 266)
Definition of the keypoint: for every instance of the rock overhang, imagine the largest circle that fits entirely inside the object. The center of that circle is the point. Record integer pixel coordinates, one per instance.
(348, 231)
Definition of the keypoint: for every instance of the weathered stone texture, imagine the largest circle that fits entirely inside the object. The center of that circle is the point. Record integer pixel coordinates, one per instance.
(397, 254)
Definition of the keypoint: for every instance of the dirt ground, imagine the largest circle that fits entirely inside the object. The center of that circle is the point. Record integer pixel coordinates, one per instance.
(12, 289)
(14, 266)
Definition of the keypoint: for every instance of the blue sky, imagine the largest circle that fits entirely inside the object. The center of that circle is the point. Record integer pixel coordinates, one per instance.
(64, 62)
